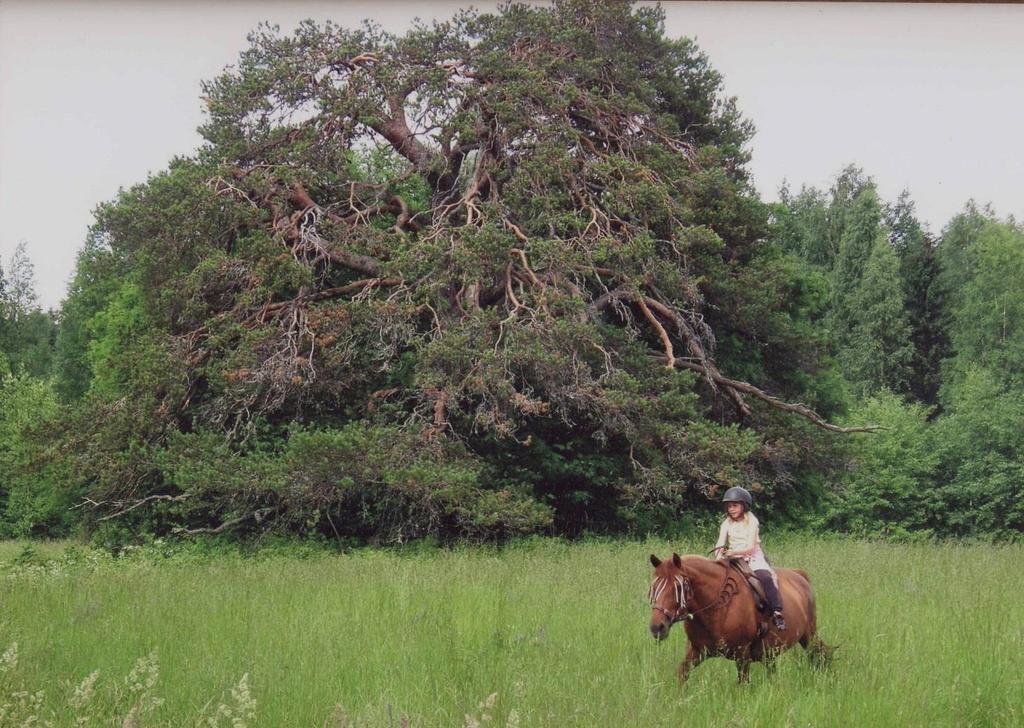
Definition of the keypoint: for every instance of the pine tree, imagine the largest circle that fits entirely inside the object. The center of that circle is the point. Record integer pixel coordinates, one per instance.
(860, 228)
(98, 276)
(987, 327)
(27, 334)
(924, 297)
(980, 485)
(803, 226)
(850, 184)
(499, 274)
(879, 352)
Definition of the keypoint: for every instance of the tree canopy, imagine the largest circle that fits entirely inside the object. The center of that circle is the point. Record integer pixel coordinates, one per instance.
(505, 274)
(502, 273)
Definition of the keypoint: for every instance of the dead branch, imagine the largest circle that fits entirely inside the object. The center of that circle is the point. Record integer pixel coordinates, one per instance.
(607, 299)
(517, 231)
(329, 293)
(670, 356)
(799, 409)
(301, 199)
(258, 514)
(526, 265)
(692, 341)
(441, 398)
(147, 499)
(363, 58)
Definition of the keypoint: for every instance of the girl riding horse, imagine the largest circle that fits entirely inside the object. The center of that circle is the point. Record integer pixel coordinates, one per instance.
(740, 538)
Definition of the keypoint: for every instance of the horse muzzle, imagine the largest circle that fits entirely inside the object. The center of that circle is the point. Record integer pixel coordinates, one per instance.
(659, 630)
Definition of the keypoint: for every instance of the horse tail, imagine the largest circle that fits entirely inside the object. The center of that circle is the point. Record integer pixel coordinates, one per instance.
(821, 654)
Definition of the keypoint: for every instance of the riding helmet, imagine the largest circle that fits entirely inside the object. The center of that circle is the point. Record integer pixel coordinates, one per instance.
(739, 495)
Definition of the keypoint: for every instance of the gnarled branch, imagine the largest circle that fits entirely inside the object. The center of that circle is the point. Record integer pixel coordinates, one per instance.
(147, 499)
(258, 515)
(799, 409)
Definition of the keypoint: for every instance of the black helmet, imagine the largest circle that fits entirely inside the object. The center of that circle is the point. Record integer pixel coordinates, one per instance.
(738, 495)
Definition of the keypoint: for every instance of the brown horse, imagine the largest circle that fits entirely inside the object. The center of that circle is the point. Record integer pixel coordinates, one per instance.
(720, 615)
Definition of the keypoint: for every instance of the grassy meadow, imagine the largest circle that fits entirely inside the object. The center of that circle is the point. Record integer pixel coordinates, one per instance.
(543, 633)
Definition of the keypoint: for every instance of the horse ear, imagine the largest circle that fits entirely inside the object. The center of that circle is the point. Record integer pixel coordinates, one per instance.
(655, 561)
(677, 561)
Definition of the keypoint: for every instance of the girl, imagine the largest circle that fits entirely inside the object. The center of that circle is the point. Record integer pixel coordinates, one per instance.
(738, 538)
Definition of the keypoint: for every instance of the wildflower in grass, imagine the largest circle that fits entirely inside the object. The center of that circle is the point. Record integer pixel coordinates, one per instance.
(81, 696)
(84, 690)
(485, 715)
(338, 719)
(141, 681)
(22, 708)
(9, 660)
(132, 719)
(242, 712)
(144, 675)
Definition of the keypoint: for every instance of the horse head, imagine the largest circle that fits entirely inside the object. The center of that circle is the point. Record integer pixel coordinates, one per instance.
(669, 590)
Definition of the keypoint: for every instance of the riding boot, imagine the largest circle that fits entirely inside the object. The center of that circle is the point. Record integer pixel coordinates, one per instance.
(774, 597)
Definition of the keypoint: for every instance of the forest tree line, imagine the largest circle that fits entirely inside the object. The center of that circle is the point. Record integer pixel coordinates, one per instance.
(560, 308)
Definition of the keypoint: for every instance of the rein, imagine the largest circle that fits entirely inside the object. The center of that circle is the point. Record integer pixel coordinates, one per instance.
(683, 586)
(725, 594)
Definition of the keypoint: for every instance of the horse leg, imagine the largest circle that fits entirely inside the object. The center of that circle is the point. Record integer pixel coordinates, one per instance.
(765, 654)
(693, 658)
(809, 640)
(743, 656)
(768, 659)
(810, 635)
(819, 653)
(743, 669)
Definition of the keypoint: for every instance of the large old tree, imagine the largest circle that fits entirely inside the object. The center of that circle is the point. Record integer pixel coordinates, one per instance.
(501, 274)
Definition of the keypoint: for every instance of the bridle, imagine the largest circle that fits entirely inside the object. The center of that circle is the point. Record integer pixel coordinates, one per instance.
(681, 586)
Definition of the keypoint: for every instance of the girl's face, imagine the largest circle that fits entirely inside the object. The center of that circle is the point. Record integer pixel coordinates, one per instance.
(734, 509)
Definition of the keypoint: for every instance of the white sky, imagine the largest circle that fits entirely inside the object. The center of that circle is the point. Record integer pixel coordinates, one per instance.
(96, 95)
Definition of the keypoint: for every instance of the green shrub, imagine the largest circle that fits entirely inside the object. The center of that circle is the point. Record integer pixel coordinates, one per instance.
(360, 480)
(981, 438)
(32, 498)
(885, 489)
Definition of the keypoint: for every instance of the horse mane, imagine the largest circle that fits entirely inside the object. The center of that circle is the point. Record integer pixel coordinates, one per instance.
(690, 560)
(702, 561)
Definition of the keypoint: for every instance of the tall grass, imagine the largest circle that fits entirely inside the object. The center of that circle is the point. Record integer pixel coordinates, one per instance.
(544, 633)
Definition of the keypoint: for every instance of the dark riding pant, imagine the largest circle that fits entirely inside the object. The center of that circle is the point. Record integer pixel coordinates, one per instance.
(770, 589)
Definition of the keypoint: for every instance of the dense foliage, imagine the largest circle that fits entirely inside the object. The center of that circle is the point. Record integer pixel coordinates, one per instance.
(507, 274)
(938, 322)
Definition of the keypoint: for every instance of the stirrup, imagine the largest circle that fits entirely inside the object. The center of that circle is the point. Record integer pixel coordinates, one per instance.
(778, 620)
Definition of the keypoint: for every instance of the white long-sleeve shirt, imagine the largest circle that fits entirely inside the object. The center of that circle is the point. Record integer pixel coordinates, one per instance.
(743, 535)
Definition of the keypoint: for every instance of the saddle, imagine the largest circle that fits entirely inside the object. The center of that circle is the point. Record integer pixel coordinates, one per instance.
(760, 598)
